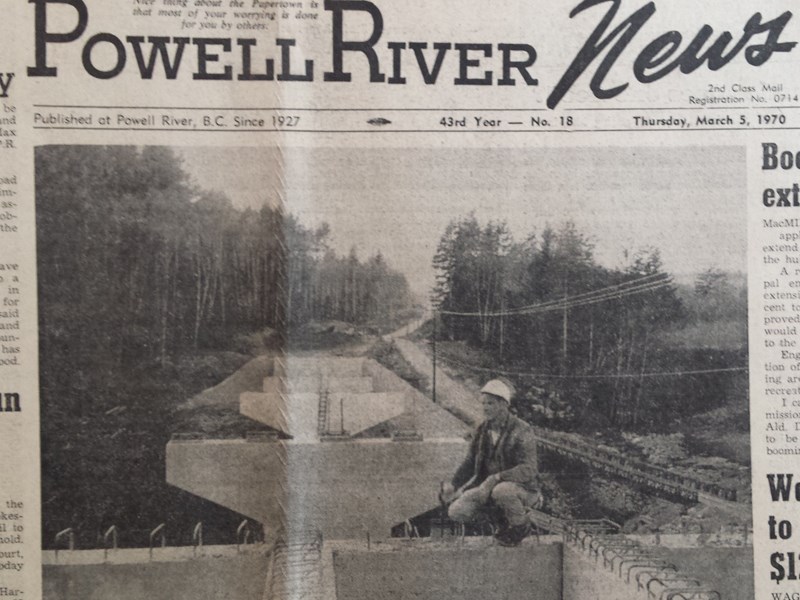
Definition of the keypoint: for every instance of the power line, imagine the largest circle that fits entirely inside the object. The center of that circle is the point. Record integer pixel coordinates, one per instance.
(644, 288)
(619, 286)
(595, 376)
(612, 292)
(559, 304)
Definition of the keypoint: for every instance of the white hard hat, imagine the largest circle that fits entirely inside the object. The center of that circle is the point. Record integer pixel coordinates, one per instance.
(497, 387)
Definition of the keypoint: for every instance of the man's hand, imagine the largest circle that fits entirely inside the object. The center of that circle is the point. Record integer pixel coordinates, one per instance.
(485, 489)
(448, 493)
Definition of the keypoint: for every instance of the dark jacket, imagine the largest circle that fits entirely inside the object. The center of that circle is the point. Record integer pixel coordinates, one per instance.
(514, 457)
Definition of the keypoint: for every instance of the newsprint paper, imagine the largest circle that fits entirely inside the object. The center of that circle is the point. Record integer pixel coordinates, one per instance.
(366, 299)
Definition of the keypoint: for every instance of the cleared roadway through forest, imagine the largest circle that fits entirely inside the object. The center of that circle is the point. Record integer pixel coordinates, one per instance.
(450, 395)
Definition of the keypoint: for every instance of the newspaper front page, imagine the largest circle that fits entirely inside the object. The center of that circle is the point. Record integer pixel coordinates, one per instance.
(364, 299)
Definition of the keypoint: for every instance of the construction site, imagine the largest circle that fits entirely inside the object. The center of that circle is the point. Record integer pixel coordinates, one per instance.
(238, 403)
(338, 486)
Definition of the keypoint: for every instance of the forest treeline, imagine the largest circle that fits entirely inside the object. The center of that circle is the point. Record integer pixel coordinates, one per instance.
(588, 337)
(137, 265)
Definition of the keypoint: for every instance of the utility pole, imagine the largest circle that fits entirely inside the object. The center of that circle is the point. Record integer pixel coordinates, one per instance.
(433, 382)
(565, 332)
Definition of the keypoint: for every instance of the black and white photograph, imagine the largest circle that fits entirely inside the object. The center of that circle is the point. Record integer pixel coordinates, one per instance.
(393, 373)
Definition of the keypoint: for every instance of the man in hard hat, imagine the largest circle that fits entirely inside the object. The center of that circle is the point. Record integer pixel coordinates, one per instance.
(500, 475)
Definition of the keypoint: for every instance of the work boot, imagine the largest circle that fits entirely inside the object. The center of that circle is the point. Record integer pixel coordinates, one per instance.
(513, 536)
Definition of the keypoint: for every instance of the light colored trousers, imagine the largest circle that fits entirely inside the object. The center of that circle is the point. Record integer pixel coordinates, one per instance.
(511, 498)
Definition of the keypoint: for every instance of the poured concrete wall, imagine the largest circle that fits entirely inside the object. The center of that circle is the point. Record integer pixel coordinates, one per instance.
(341, 488)
(292, 366)
(450, 571)
(332, 383)
(429, 419)
(297, 414)
(239, 577)
(374, 403)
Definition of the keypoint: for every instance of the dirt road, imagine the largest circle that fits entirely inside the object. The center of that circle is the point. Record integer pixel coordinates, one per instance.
(450, 394)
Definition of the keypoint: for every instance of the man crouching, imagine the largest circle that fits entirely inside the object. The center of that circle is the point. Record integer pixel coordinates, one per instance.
(500, 476)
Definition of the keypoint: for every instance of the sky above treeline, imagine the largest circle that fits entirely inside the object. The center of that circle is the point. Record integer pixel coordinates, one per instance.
(688, 202)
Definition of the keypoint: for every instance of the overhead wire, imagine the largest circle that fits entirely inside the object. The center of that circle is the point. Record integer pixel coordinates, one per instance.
(621, 290)
(592, 376)
(607, 289)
